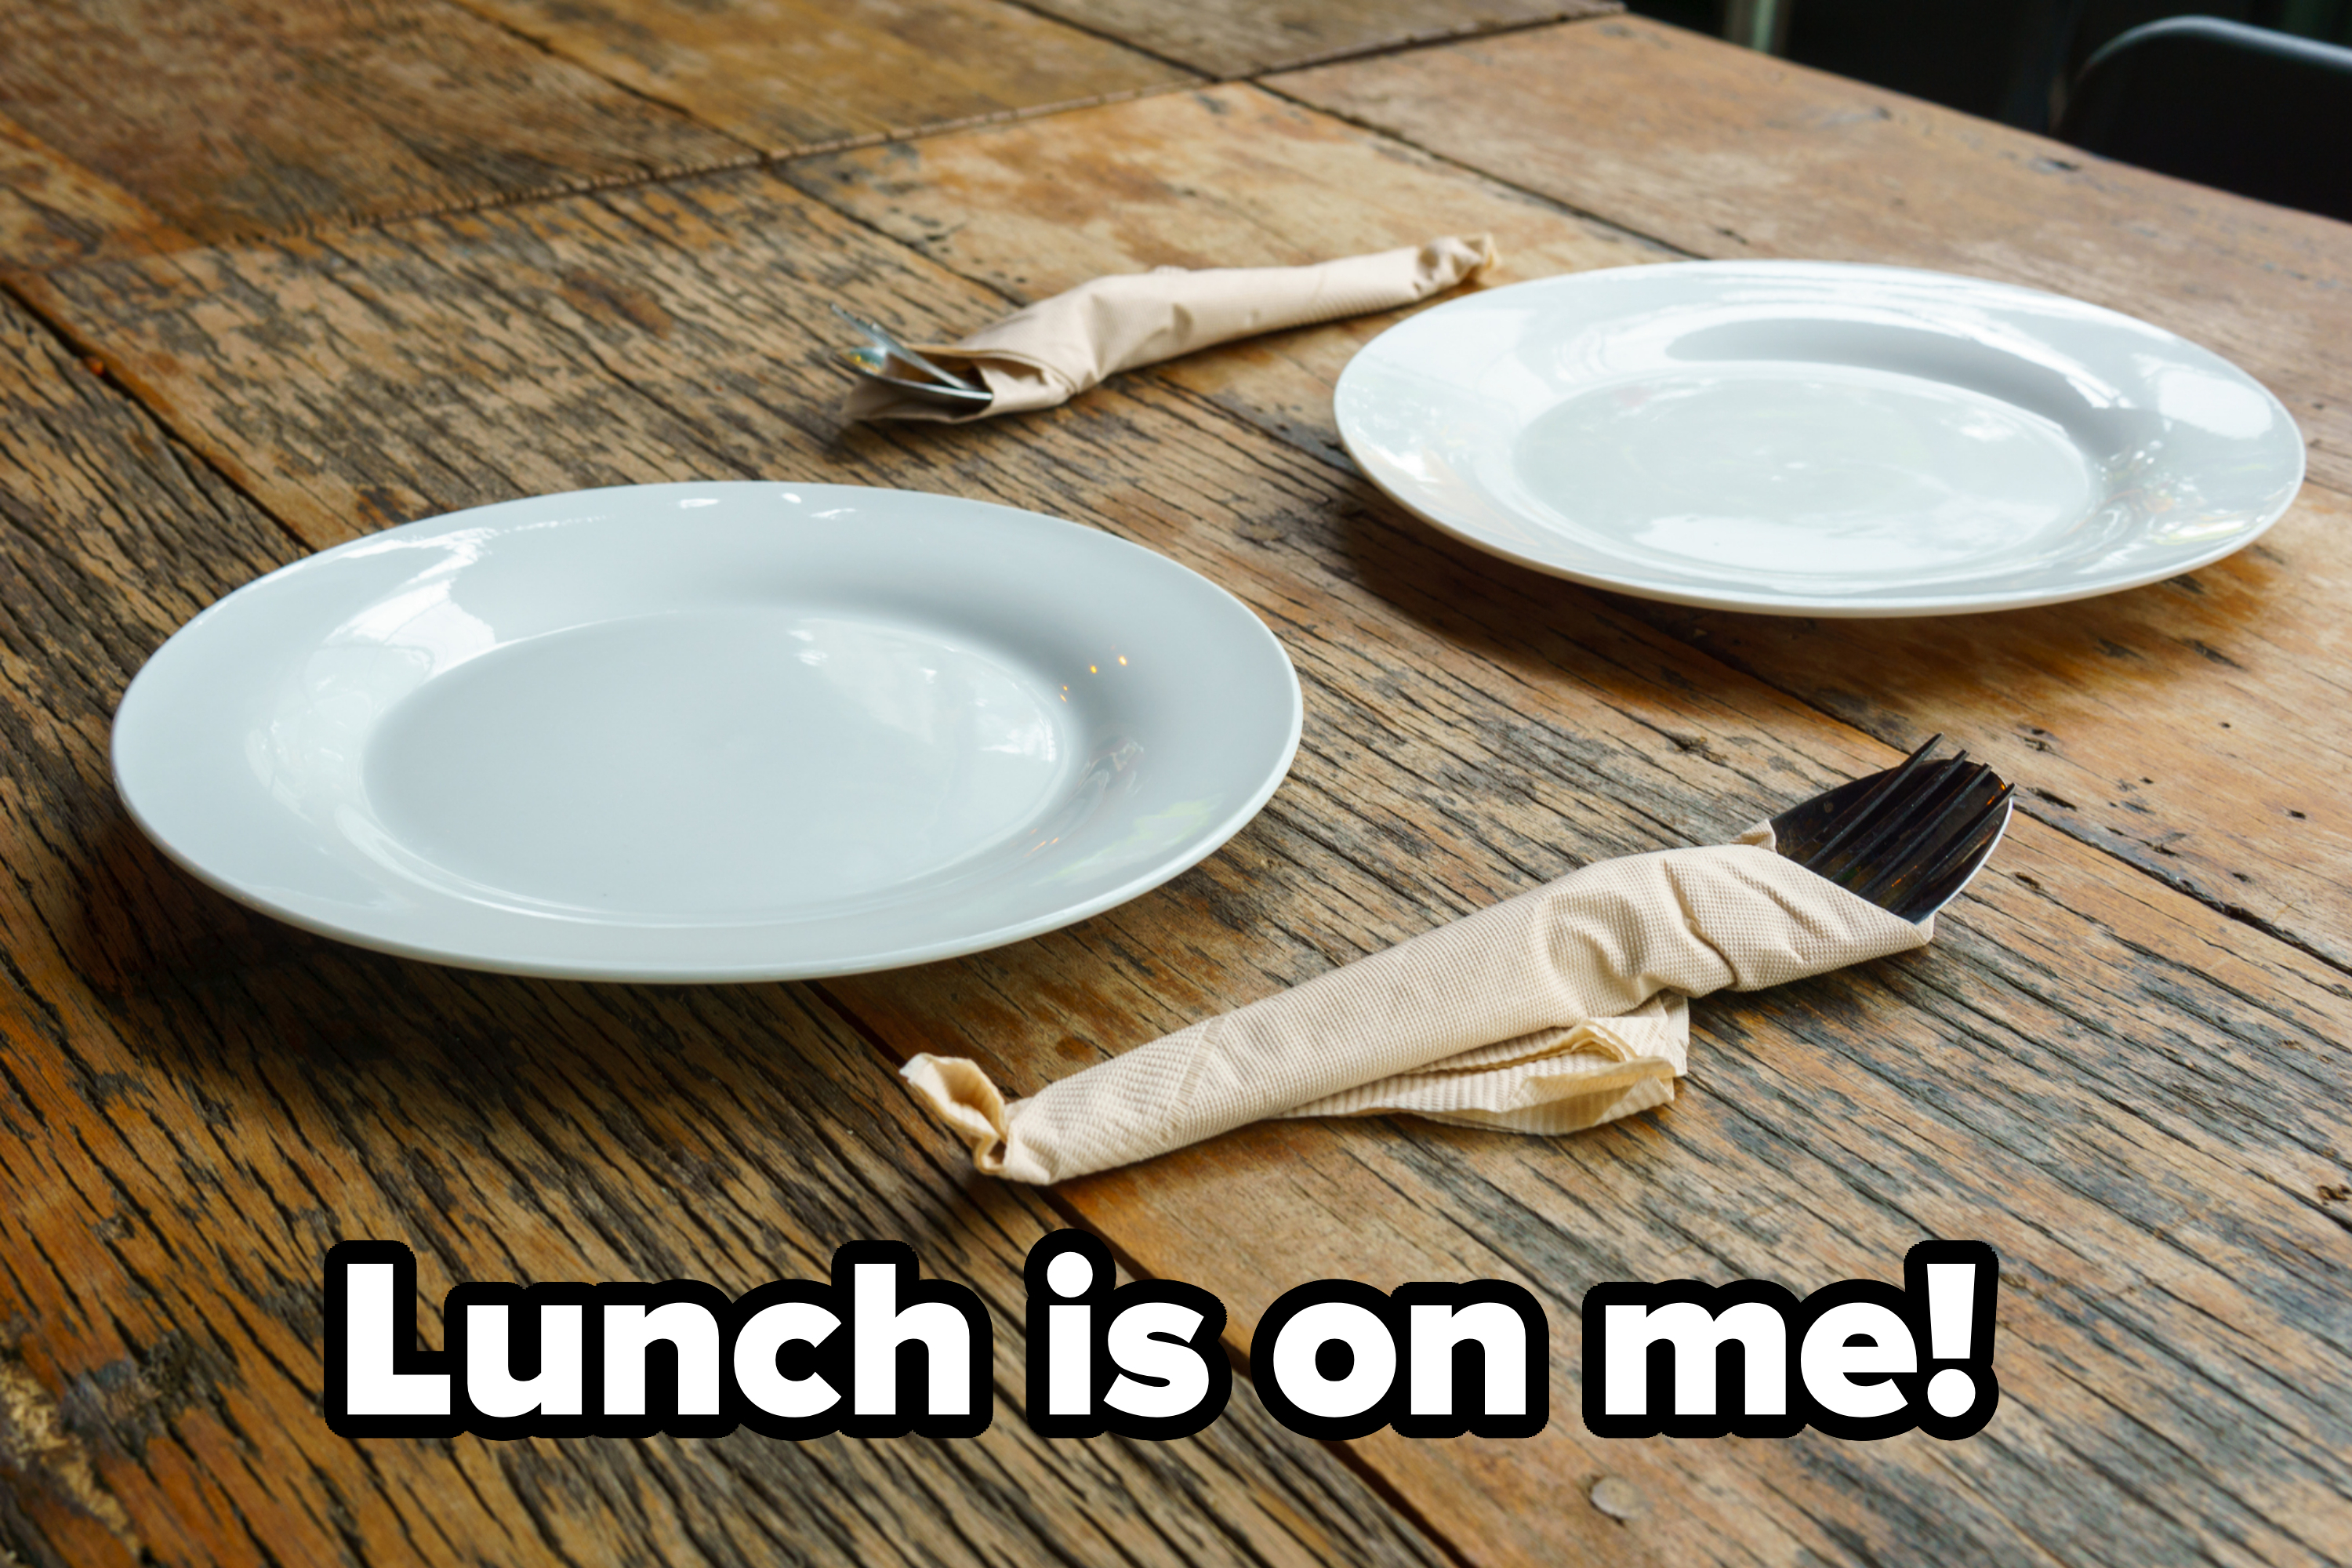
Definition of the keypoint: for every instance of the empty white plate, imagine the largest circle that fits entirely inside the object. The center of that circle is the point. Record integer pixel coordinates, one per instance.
(1808, 438)
(707, 731)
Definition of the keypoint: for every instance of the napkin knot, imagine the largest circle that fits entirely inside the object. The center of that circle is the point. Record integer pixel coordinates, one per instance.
(960, 1094)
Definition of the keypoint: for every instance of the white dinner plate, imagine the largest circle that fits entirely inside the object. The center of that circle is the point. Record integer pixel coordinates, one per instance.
(1804, 437)
(707, 731)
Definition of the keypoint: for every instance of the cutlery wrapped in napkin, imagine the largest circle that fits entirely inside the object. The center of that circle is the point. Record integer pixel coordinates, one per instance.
(1559, 1009)
(1050, 352)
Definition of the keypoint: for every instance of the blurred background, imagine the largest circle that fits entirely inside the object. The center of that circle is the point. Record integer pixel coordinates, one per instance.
(2006, 59)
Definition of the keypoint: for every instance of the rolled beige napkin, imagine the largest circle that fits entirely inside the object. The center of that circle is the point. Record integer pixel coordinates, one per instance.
(1055, 348)
(1559, 1009)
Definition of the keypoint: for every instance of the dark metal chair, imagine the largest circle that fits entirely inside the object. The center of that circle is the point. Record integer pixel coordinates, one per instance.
(2265, 114)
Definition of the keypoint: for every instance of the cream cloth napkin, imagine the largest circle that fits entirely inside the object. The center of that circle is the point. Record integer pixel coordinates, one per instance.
(1559, 1009)
(1055, 348)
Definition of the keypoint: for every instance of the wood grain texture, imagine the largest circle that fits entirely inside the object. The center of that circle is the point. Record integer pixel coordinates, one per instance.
(1228, 176)
(53, 210)
(2169, 1263)
(788, 74)
(158, 537)
(1243, 37)
(194, 1102)
(2140, 1102)
(2191, 726)
(244, 116)
(1723, 153)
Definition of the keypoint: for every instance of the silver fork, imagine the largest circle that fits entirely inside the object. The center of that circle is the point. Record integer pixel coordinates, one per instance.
(1908, 839)
(883, 358)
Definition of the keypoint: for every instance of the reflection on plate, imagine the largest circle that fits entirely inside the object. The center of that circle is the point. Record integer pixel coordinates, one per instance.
(707, 731)
(1815, 438)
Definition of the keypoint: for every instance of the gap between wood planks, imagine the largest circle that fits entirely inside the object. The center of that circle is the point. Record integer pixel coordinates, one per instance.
(753, 155)
(812, 149)
(1411, 41)
(149, 406)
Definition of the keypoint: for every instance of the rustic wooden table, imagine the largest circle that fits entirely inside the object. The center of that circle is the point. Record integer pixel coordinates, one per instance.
(281, 274)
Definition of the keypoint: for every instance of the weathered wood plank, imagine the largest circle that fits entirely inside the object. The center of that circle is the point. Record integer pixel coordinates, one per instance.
(246, 117)
(53, 210)
(2141, 1102)
(2042, 1080)
(2189, 727)
(788, 74)
(1228, 176)
(194, 1102)
(1725, 153)
(1243, 37)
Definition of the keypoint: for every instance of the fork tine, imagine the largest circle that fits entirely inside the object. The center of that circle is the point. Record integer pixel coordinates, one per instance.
(1913, 836)
(883, 339)
(1965, 844)
(1935, 887)
(1930, 831)
(1870, 803)
(1894, 820)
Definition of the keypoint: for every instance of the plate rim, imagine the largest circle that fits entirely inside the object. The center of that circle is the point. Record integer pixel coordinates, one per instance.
(1888, 607)
(1153, 875)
